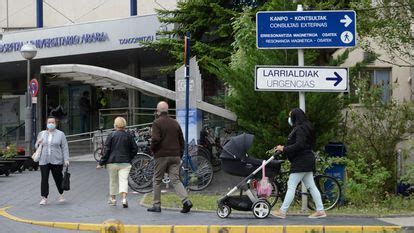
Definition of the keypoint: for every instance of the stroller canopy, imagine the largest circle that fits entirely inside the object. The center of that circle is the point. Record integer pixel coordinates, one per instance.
(237, 147)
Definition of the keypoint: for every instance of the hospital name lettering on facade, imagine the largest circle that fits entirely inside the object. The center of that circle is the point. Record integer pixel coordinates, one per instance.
(86, 38)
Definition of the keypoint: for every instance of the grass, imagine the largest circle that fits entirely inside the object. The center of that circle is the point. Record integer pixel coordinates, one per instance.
(200, 201)
(208, 202)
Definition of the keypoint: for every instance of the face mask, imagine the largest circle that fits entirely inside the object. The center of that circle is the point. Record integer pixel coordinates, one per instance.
(290, 121)
(51, 126)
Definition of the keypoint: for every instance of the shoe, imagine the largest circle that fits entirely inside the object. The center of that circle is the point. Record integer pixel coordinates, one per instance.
(61, 198)
(43, 201)
(318, 214)
(187, 205)
(154, 209)
(112, 202)
(279, 214)
(125, 203)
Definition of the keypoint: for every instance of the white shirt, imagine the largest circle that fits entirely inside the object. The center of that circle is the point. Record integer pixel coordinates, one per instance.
(49, 140)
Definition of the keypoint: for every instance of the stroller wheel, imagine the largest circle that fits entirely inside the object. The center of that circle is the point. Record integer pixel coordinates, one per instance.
(261, 209)
(223, 211)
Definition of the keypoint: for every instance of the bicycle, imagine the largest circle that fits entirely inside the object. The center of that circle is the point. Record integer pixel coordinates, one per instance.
(200, 173)
(210, 146)
(142, 169)
(98, 153)
(141, 173)
(328, 187)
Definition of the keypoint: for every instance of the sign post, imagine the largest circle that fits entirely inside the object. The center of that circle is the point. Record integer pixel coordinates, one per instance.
(34, 91)
(300, 30)
(187, 97)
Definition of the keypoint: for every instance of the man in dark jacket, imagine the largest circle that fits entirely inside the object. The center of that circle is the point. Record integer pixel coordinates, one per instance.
(167, 144)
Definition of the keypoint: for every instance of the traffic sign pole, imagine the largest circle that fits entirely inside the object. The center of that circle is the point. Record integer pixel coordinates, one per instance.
(302, 105)
(304, 30)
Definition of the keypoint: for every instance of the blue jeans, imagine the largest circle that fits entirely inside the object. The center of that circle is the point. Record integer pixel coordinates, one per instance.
(307, 178)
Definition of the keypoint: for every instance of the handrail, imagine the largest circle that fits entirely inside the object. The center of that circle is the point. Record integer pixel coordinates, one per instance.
(92, 133)
(14, 129)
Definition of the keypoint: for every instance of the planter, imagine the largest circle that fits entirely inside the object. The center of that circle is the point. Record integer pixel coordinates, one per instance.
(28, 162)
(5, 167)
(17, 164)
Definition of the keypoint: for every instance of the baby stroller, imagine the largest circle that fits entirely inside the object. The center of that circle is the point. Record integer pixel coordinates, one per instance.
(235, 161)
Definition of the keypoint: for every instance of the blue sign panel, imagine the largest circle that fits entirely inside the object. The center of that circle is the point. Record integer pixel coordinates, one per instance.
(305, 29)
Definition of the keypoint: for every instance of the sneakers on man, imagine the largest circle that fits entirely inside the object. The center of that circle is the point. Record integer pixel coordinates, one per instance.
(154, 209)
(187, 205)
(279, 214)
(112, 202)
(318, 214)
(61, 198)
(43, 201)
(124, 203)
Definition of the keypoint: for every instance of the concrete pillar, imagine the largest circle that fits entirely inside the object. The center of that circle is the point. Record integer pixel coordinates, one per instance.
(195, 115)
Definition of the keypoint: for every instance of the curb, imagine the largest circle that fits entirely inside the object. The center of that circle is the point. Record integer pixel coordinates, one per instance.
(141, 203)
(206, 228)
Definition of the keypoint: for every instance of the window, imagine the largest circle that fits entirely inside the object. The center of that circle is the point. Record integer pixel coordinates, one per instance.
(380, 78)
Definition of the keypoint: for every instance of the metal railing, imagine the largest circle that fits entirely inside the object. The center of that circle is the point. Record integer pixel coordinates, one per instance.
(12, 135)
(134, 116)
(95, 137)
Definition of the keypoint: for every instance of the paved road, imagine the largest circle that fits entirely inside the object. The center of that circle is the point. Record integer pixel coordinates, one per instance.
(86, 203)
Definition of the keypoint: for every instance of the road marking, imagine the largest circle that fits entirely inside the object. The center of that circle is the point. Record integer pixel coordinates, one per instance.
(205, 228)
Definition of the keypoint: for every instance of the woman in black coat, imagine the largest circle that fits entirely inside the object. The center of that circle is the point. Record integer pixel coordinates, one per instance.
(298, 151)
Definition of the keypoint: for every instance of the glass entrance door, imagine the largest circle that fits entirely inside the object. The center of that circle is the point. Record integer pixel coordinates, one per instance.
(80, 108)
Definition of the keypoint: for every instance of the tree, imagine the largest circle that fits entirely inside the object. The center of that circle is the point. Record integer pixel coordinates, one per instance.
(385, 24)
(389, 25)
(210, 32)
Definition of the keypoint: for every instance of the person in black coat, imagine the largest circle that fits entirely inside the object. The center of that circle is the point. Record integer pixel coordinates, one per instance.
(298, 151)
(120, 148)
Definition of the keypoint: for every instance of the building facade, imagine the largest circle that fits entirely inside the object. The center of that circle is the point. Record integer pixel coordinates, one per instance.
(95, 33)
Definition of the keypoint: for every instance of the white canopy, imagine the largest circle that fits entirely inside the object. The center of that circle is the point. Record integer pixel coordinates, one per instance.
(106, 78)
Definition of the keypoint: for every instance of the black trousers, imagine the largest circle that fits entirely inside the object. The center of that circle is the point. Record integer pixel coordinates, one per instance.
(57, 176)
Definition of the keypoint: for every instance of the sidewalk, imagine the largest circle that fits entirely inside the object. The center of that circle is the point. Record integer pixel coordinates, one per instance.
(86, 203)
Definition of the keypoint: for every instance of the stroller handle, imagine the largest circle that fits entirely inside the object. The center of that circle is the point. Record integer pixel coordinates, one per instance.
(276, 153)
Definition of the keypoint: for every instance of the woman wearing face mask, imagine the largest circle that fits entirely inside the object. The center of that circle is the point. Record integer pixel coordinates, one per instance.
(55, 154)
(299, 152)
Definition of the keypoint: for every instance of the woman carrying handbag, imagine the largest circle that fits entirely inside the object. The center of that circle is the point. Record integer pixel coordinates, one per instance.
(54, 154)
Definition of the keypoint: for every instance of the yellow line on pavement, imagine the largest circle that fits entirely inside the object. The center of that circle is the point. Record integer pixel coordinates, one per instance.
(104, 227)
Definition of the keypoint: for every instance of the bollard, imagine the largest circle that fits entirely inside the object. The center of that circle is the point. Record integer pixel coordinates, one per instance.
(112, 226)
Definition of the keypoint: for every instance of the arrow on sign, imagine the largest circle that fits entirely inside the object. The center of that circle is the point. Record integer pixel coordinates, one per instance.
(338, 79)
(347, 21)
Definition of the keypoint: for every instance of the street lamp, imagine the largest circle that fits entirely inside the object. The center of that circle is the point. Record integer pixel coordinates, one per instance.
(28, 52)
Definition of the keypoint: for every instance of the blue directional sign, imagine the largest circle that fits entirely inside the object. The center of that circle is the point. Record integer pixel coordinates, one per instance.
(305, 29)
(316, 79)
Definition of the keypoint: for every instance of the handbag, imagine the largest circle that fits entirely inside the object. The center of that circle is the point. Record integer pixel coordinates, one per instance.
(264, 188)
(38, 152)
(66, 180)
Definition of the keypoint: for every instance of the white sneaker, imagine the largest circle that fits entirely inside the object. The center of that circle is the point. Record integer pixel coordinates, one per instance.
(61, 198)
(112, 202)
(43, 201)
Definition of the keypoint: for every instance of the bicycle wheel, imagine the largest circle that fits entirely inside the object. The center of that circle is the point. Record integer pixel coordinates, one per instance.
(97, 154)
(141, 174)
(201, 177)
(274, 196)
(202, 151)
(330, 192)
